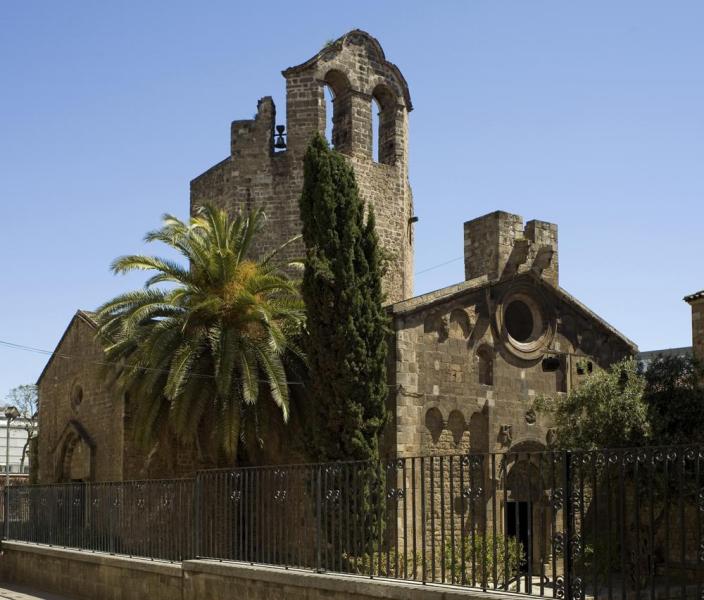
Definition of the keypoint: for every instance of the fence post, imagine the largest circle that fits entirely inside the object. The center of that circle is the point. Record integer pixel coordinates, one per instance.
(197, 515)
(568, 522)
(6, 534)
(318, 520)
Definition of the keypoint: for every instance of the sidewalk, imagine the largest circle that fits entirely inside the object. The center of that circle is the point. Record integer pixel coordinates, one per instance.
(17, 592)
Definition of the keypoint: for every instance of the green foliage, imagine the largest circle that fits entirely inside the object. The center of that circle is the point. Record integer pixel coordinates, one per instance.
(674, 397)
(476, 553)
(625, 407)
(346, 324)
(602, 556)
(384, 564)
(606, 411)
(200, 343)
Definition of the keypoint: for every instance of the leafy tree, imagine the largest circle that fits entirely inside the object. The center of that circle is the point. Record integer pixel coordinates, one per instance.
(606, 411)
(674, 397)
(26, 399)
(347, 326)
(346, 345)
(198, 352)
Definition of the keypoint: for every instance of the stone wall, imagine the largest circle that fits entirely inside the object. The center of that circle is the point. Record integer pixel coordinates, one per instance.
(498, 245)
(255, 175)
(80, 418)
(697, 304)
(88, 576)
(461, 386)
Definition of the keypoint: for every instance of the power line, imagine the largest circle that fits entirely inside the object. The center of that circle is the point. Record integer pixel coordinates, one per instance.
(108, 363)
(442, 264)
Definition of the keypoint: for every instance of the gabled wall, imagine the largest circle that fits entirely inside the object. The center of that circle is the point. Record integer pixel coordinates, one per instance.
(461, 382)
(77, 409)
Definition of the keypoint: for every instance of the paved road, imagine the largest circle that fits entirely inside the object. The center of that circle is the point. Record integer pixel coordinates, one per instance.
(17, 592)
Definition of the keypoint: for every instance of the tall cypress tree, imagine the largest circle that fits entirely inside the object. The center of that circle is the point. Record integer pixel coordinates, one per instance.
(347, 326)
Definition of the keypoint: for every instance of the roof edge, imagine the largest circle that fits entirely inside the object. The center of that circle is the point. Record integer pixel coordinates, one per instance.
(338, 45)
(87, 317)
(450, 292)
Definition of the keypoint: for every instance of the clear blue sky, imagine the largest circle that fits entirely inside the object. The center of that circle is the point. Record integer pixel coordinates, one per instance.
(589, 115)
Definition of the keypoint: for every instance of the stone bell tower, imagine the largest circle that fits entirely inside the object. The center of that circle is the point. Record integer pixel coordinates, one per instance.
(263, 170)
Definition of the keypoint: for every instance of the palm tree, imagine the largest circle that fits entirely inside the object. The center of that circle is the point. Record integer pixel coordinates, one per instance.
(197, 353)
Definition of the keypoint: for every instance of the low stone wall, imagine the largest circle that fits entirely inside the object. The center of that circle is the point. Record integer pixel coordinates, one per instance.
(88, 575)
(215, 581)
(94, 576)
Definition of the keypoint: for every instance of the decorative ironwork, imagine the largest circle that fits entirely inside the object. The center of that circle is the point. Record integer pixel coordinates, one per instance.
(576, 545)
(328, 516)
(576, 591)
(396, 494)
(332, 495)
(470, 493)
(560, 587)
(558, 543)
(576, 500)
(557, 498)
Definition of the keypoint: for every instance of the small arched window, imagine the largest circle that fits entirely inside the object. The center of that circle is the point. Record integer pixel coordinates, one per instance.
(338, 110)
(329, 97)
(383, 125)
(76, 396)
(485, 366)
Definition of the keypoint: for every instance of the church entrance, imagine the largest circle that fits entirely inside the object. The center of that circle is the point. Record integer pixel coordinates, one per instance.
(519, 525)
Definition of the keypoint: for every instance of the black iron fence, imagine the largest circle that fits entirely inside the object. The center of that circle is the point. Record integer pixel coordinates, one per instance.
(604, 524)
(152, 519)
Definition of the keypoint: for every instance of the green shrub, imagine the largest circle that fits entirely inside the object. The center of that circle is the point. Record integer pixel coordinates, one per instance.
(360, 565)
(477, 554)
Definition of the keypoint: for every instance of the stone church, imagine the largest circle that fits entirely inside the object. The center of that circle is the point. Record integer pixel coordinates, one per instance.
(466, 361)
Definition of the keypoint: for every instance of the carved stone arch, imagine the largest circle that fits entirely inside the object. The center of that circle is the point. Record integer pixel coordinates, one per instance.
(341, 95)
(437, 324)
(457, 425)
(525, 480)
(460, 324)
(435, 423)
(75, 454)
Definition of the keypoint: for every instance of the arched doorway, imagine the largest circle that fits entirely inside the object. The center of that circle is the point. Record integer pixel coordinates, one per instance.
(526, 506)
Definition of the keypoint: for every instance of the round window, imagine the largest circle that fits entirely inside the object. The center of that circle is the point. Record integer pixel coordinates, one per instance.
(519, 321)
(525, 325)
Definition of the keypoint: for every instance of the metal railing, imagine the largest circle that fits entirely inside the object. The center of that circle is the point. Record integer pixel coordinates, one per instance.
(151, 519)
(610, 524)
